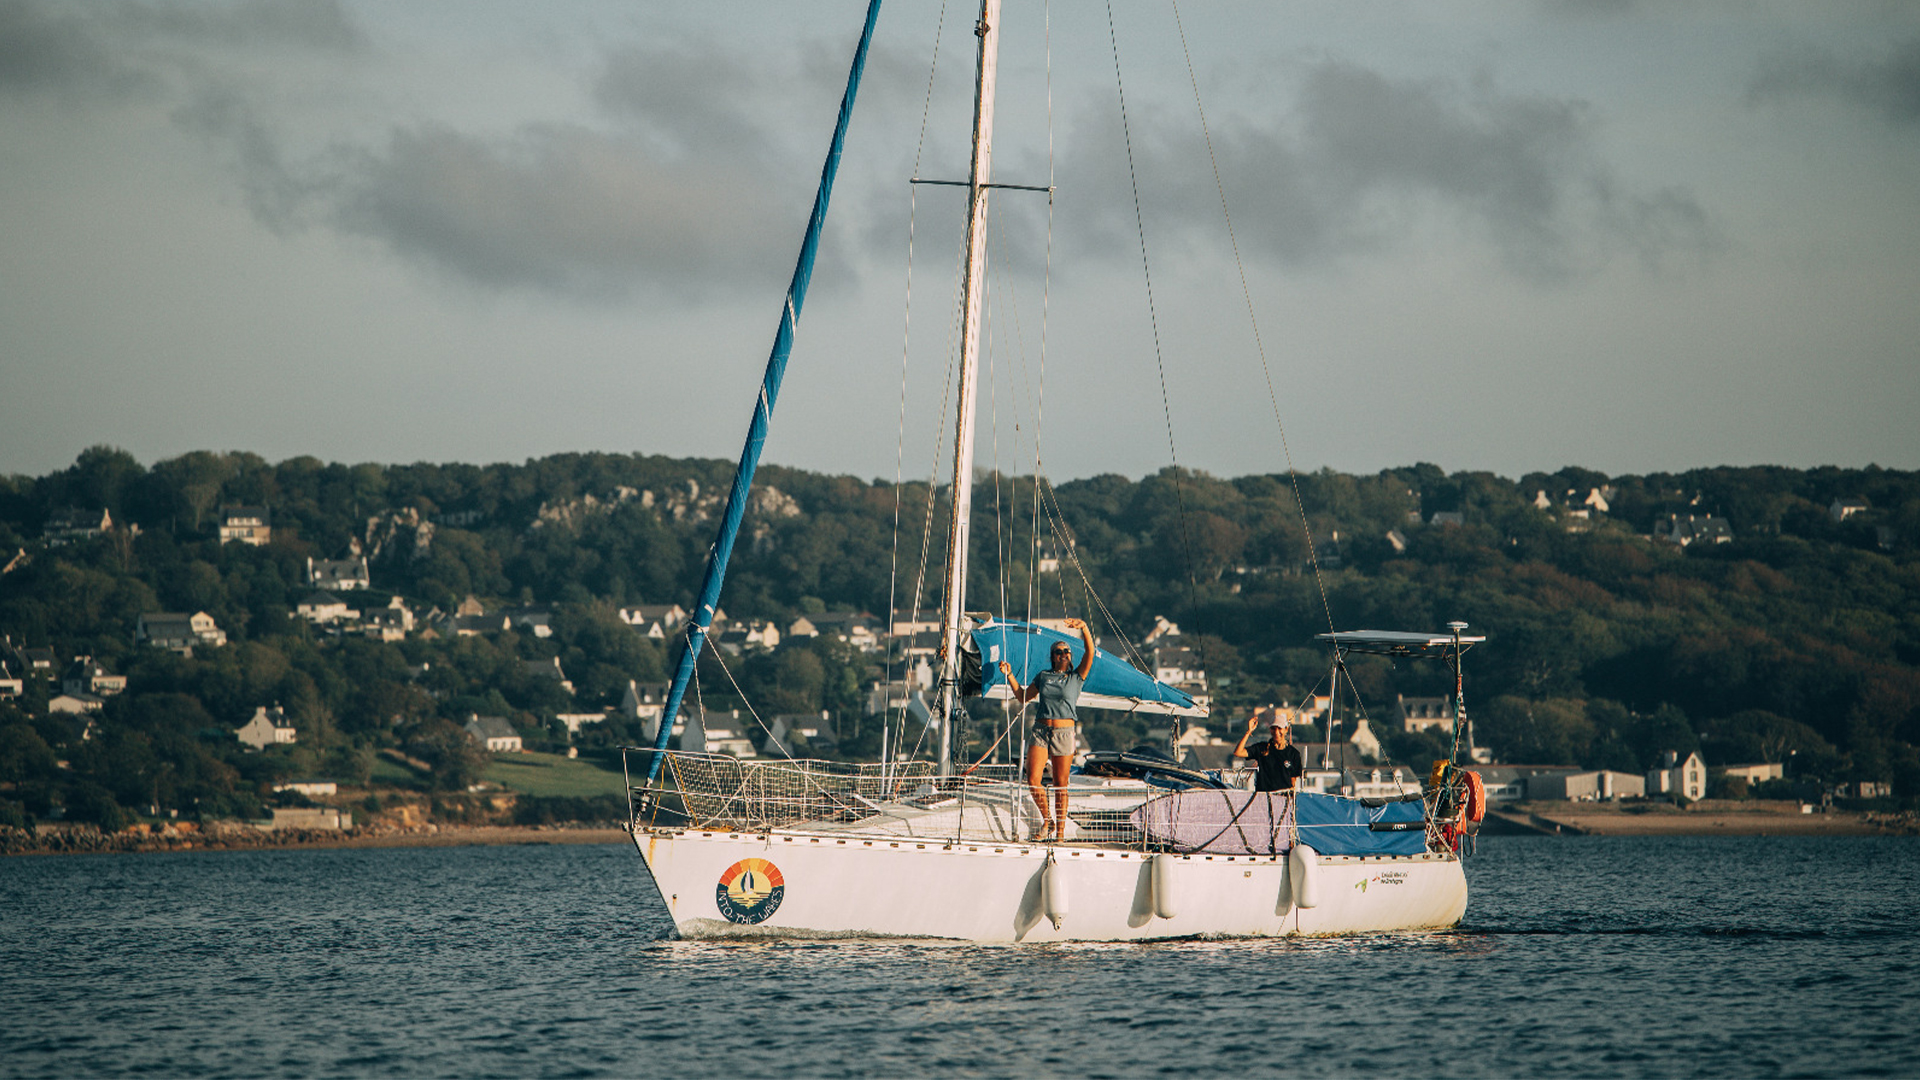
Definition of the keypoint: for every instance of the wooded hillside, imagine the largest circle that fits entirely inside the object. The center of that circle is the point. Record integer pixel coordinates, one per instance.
(1786, 629)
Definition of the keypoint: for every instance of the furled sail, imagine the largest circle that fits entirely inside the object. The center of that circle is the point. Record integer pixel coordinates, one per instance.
(1112, 684)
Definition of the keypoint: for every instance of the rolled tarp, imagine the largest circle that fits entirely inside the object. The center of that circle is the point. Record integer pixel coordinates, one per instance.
(1112, 684)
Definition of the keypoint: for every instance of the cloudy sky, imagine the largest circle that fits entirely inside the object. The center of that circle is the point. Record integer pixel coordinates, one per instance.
(1490, 235)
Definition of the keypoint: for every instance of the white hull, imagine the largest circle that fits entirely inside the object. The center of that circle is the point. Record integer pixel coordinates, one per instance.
(836, 885)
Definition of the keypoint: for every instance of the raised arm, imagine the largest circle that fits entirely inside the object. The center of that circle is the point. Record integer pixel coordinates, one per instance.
(1240, 748)
(1086, 635)
(1021, 694)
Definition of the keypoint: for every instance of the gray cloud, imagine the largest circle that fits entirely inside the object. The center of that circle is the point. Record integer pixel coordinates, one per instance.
(559, 208)
(60, 53)
(680, 192)
(690, 191)
(109, 51)
(1886, 86)
(1361, 157)
(309, 25)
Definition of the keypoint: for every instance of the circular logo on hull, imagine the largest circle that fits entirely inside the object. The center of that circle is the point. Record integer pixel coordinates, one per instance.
(750, 891)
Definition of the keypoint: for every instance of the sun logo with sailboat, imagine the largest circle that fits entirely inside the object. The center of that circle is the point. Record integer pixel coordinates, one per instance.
(750, 891)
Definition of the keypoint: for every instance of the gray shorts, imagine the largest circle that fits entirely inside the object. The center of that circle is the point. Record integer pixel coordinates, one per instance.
(1057, 740)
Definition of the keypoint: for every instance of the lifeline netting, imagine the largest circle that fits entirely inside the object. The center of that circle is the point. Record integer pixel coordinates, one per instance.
(993, 804)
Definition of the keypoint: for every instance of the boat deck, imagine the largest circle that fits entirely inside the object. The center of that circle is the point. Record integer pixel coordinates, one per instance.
(907, 804)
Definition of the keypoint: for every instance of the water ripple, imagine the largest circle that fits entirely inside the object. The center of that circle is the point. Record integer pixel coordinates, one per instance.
(1601, 957)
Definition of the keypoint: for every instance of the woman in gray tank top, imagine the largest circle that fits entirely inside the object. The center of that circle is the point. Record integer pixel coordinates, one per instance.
(1052, 742)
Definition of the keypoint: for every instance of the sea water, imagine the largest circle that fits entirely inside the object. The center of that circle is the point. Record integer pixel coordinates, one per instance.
(1591, 956)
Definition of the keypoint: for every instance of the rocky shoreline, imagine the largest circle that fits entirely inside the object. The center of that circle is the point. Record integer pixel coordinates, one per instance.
(238, 836)
(1715, 818)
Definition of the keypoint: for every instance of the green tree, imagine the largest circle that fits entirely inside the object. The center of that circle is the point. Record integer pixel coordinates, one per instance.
(456, 759)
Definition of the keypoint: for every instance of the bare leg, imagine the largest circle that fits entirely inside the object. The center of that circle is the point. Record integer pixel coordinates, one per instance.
(1036, 762)
(1060, 766)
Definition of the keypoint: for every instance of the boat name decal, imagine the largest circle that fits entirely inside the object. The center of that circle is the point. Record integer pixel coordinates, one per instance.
(750, 891)
(1384, 877)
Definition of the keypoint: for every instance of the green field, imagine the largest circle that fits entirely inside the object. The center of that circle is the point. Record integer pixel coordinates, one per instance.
(390, 773)
(552, 774)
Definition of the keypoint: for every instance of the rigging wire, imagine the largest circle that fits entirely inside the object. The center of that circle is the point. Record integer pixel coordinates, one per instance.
(933, 471)
(906, 342)
(1046, 310)
(1253, 320)
(1153, 321)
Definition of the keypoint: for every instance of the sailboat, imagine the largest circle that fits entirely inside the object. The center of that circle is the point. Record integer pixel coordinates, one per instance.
(898, 848)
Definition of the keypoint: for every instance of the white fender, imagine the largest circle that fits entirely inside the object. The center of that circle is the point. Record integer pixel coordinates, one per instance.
(1053, 892)
(1284, 902)
(1166, 891)
(1304, 864)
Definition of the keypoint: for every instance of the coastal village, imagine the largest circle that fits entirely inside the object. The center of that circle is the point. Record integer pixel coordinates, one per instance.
(1346, 749)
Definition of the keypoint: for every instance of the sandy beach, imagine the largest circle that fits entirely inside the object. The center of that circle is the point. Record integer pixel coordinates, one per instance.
(1706, 818)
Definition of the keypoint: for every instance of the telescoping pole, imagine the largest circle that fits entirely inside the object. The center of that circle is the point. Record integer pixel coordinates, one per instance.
(1459, 693)
(702, 619)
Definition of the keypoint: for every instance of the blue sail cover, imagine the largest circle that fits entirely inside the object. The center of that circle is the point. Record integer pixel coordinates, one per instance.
(1337, 825)
(1112, 684)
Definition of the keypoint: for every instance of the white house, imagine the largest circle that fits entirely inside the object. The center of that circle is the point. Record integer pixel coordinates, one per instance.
(10, 684)
(307, 817)
(245, 525)
(1684, 529)
(1842, 509)
(1757, 773)
(1364, 740)
(75, 704)
(1163, 628)
(1385, 783)
(268, 727)
(85, 676)
(792, 734)
(74, 524)
(494, 733)
(658, 621)
(755, 635)
(1597, 786)
(534, 618)
(321, 608)
(178, 632)
(1421, 713)
(576, 720)
(310, 788)
(338, 575)
(548, 669)
(391, 623)
(644, 701)
(1686, 778)
(1179, 665)
(716, 733)
(475, 625)
(856, 628)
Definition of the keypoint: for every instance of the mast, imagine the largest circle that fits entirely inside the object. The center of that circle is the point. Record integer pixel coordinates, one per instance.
(974, 285)
(1459, 693)
(703, 609)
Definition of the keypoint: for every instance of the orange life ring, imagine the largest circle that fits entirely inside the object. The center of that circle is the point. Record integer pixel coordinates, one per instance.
(1476, 799)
